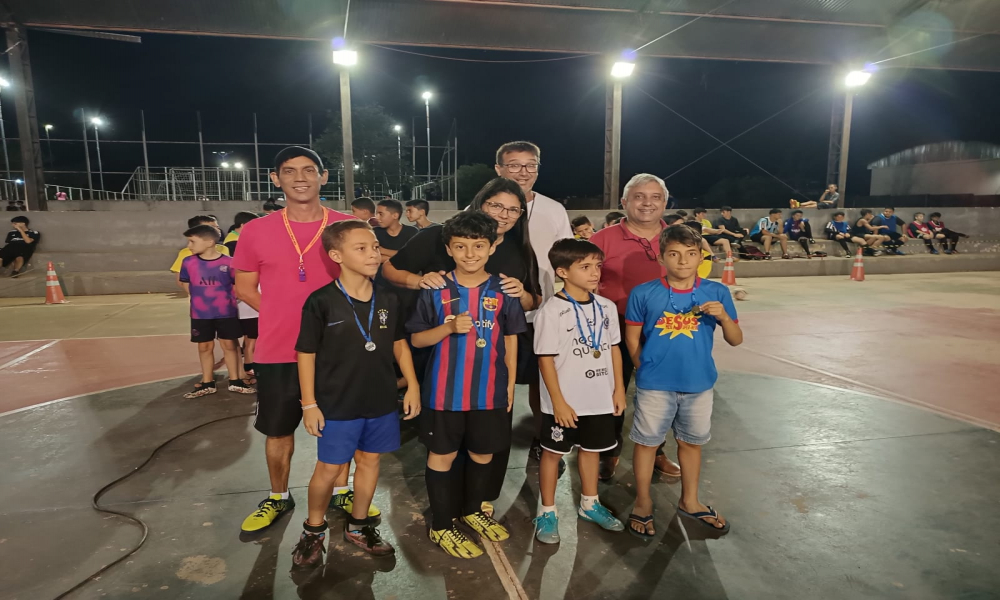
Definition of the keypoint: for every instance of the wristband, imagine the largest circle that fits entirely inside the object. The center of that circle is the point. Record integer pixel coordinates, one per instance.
(313, 405)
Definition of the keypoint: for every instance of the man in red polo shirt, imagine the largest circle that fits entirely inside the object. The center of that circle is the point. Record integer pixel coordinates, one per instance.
(631, 249)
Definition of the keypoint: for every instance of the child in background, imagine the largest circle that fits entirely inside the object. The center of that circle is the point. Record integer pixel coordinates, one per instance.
(798, 229)
(248, 316)
(469, 387)
(839, 230)
(711, 235)
(613, 217)
(241, 219)
(919, 230)
(669, 330)
(871, 234)
(345, 363)
(577, 332)
(364, 209)
(186, 251)
(207, 276)
(582, 227)
(949, 238)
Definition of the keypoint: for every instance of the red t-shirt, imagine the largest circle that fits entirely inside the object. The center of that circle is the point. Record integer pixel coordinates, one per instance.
(629, 260)
(265, 248)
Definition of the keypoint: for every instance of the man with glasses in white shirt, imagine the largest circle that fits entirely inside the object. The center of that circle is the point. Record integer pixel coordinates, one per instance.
(547, 223)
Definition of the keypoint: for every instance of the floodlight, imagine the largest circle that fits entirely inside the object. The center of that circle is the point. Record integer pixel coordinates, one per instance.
(622, 69)
(857, 78)
(346, 58)
(49, 127)
(238, 165)
(97, 121)
(225, 165)
(426, 95)
(397, 128)
(4, 83)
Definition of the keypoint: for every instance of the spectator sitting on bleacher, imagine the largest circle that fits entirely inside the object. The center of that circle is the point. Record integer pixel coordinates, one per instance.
(767, 230)
(949, 238)
(827, 200)
(839, 230)
(710, 234)
(893, 226)
(919, 230)
(19, 245)
(706, 251)
(863, 228)
(729, 226)
(798, 229)
(186, 252)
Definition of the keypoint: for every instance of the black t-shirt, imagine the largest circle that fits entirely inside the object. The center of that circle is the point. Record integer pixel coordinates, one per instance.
(395, 242)
(731, 224)
(15, 237)
(351, 383)
(426, 253)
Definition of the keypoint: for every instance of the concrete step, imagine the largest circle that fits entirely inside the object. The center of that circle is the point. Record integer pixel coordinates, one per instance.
(876, 265)
(32, 284)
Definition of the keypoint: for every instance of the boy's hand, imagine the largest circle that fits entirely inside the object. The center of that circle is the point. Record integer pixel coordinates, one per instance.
(619, 400)
(564, 415)
(510, 400)
(411, 403)
(716, 310)
(461, 324)
(312, 418)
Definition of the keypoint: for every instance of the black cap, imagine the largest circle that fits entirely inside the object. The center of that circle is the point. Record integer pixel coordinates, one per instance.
(291, 152)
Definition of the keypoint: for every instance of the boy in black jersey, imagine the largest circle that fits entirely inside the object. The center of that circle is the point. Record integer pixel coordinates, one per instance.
(351, 332)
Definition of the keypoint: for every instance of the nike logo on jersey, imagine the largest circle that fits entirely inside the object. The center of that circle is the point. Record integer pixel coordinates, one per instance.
(448, 301)
(334, 323)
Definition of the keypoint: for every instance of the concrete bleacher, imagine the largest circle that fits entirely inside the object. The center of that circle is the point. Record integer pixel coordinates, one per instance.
(128, 247)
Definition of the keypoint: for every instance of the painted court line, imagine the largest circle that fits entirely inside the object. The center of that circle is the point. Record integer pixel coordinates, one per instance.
(102, 337)
(101, 391)
(511, 584)
(26, 355)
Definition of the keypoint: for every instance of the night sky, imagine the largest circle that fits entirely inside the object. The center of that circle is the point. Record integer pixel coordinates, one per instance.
(559, 105)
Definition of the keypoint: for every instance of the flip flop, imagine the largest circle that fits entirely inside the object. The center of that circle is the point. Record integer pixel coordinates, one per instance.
(700, 517)
(645, 522)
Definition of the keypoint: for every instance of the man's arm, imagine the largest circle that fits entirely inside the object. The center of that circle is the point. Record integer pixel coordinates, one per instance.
(387, 253)
(511, 361)
(633, 336)
(404, 279)
(246, 288)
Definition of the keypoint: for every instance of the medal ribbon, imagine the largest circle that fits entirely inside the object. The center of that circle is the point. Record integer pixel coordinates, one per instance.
(694, 299)
(295, 242)
(371, 313)
(478, 324)
(595, 337)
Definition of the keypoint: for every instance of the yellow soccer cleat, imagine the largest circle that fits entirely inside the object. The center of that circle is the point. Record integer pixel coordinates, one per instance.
(267, 512)
(345, 502)
(486, 526)
(455, 543)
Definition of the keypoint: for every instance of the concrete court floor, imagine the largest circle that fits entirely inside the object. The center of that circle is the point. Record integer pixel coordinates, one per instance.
(833, 493)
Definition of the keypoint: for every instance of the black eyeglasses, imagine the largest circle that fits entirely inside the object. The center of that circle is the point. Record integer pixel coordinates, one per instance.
(516, 168)
(496, 209)
(648, 247)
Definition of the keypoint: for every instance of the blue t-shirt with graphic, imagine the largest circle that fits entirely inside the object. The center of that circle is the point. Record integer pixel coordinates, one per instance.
(677, 351)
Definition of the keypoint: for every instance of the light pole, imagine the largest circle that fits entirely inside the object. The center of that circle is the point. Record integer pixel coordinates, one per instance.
(97, 122)
(48, 139)
(854, 79)
(399, 156)
(613, 131)
(346, 59)
(427, 109)
(6, 161)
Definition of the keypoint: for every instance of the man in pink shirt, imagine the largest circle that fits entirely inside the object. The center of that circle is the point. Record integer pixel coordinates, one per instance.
(631, 249)
(282, 255)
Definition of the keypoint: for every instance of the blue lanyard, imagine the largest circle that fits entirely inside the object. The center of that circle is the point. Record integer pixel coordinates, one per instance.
(478, 323)
(369, 345)
(595, 337)
(693, 309)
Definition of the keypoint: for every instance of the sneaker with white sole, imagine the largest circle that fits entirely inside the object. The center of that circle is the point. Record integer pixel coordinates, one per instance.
(602, 516)
(547, 528)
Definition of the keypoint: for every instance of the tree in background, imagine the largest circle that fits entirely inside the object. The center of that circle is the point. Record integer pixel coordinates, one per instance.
(471, 179)
(375, 151)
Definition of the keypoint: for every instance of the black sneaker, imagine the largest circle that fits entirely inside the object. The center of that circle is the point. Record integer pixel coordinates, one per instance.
(368, 539)
(308, 553)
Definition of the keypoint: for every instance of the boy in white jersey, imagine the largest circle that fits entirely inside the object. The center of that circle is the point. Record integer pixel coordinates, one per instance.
(576, 340)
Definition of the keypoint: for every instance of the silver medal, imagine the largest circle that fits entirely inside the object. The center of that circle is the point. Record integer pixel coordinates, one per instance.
(370, 346)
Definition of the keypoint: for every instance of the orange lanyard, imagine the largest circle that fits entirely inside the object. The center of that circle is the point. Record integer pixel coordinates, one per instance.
(295, 242)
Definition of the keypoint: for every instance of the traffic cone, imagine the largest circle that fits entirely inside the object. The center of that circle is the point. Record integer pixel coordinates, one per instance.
(728, 272)
(53, 293)
(858, 272)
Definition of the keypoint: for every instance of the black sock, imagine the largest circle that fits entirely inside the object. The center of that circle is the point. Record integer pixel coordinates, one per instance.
(805, 244)
(314, 529)
(843, 244)
(929, 244)
(441, 497)
(477, 477)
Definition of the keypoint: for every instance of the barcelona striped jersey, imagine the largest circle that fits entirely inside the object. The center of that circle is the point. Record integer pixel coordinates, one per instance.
(461, 375)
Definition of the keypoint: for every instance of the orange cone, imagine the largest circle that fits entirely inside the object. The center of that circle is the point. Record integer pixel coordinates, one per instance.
(53, 292)
(858, 272)
(728, 272)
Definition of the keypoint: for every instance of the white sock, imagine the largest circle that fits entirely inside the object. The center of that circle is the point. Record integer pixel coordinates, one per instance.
(340, 490)
(284, 495)
(544, 509)
(588, 502)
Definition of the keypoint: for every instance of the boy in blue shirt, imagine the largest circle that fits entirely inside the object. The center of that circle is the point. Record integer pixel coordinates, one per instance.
(669, 330)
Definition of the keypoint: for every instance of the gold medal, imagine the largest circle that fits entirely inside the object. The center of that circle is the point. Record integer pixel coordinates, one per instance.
(597, 354)
(480, 343)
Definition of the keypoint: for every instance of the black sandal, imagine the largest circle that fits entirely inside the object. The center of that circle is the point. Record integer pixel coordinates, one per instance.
(645, 522)
(711, 513)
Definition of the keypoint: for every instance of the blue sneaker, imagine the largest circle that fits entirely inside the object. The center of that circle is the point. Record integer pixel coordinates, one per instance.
(547, 528)
(601, 516)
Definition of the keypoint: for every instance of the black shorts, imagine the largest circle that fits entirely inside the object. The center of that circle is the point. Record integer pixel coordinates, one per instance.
(478, 431)
(206, 330)
(593, 433)
(279, 400)
(758, 238)
(527, 362)
(249, 328)
(711, 239)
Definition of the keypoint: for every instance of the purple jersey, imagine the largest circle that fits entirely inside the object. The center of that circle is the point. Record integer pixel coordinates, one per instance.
(211, 286)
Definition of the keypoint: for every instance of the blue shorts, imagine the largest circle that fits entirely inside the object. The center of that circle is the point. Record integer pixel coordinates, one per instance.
(657, 411)
(342, 438)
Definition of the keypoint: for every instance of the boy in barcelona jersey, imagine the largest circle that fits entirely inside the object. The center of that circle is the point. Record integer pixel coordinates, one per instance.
(472, 326)
(576, 340)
